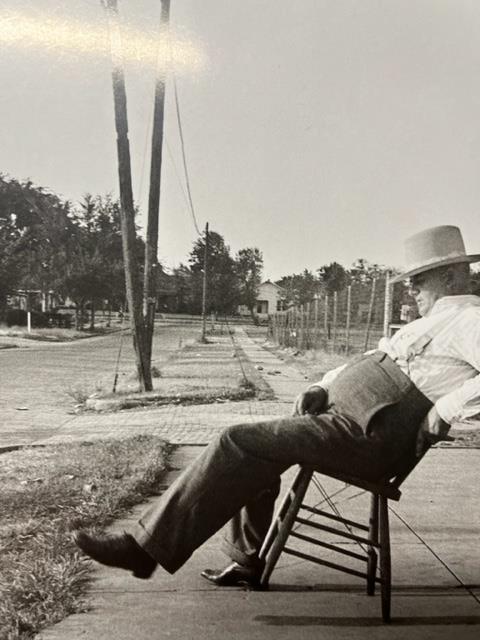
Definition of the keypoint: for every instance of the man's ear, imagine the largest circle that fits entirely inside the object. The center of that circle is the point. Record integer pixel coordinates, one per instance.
(449, 278)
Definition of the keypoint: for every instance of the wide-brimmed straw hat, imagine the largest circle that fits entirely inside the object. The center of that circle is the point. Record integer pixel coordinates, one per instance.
(434, 248)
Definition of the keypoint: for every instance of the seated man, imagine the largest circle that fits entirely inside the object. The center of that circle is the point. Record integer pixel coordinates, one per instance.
(363, 419)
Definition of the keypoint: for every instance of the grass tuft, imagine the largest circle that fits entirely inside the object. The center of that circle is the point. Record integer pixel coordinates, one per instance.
(47, 493)
(82, 391)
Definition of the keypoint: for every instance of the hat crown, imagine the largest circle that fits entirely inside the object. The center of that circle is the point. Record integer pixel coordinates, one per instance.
(434, 245)
(432, 248)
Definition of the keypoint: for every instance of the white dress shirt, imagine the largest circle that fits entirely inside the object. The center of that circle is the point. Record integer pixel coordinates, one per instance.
(441, 354)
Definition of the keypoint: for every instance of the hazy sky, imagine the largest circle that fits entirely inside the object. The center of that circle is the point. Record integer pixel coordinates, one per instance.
(317, 130)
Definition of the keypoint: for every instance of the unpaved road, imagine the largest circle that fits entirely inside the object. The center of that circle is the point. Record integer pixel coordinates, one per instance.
(35, 380)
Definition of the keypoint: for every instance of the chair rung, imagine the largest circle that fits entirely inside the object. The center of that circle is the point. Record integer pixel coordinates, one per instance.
(332, 547)
(325, 514)
(326, 563)
(342, 534)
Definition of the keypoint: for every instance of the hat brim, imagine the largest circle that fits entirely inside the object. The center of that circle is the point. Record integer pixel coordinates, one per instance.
(434, 265)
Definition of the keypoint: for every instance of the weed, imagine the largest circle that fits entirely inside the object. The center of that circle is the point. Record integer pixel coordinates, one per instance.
(81, 392)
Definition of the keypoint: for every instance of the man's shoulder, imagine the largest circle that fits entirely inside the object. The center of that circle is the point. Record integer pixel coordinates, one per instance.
(467, 317)
(470, 306)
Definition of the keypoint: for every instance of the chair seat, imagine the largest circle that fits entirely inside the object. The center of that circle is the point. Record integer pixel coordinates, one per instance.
(384, 488)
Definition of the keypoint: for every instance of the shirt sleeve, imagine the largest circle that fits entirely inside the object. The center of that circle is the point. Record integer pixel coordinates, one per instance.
(464, 402)
(330, 376)
(461, 404)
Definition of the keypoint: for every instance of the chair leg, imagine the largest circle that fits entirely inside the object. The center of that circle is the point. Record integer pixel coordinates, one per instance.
(385, 559)
(279, 516)
(373, 537)
(279, 531)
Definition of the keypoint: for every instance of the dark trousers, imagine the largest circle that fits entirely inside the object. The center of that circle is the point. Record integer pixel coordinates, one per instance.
(237, 475)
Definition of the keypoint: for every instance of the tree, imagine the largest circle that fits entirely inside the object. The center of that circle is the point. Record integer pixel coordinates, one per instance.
(300, 288)
(249, 265)
(33, 226)
(334, 277)
(9, 261)
(362, 271)
(222, 283)
(95, 269)
(183, 287)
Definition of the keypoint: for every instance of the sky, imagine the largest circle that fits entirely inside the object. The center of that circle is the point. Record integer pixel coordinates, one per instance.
(316, 130)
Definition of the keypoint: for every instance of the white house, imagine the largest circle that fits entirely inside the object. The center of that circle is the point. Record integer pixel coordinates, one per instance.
(269, 300)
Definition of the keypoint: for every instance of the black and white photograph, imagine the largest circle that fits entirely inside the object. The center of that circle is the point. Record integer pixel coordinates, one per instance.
(239, 319)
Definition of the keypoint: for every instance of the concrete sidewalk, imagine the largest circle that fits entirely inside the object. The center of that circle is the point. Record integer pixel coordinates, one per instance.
(436, 564)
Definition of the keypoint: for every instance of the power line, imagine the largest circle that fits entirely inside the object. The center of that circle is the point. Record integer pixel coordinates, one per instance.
(182, 145)
(177, 174)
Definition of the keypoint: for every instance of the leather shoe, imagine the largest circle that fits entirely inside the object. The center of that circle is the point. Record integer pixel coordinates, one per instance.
(120, 550)
(235, 575)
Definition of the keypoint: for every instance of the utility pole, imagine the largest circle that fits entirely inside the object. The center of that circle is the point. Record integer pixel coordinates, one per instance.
(127, 209)
(151, 258)
(204, 295)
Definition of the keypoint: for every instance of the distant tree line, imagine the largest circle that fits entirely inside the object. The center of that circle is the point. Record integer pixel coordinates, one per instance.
(47, 244)
(329, 278)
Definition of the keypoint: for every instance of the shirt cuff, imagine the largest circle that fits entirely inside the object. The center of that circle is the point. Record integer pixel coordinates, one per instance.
(445, 410)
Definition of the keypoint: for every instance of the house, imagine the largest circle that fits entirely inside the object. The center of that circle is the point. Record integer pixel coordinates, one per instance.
(270, 299)
(35, 299)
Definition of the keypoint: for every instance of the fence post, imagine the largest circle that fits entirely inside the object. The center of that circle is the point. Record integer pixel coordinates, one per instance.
(288, 327)
(370, 312)
(387, 313)
(325, 321)
(334, 321)
(295, 325)
(301, 329)
(307, 326)
(347, 326)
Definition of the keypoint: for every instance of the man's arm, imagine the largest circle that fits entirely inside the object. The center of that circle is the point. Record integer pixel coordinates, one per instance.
(463, 401)
(432, 430)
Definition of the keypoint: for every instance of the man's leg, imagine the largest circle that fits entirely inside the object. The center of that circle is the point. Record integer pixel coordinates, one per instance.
(247, 529)
(244, 461)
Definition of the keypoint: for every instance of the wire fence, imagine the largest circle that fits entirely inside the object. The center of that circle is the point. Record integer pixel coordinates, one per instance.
(348, 321)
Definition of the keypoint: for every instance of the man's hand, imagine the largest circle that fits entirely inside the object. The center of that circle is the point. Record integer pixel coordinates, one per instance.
(312, 401)
(432, 430)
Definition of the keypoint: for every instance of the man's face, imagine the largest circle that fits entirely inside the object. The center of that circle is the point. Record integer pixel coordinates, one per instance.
(427, 288)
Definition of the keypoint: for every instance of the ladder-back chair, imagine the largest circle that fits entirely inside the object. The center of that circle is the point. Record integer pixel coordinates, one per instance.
(375, 535)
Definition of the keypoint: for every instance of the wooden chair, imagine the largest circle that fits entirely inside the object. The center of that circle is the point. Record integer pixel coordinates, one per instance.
(375, 535)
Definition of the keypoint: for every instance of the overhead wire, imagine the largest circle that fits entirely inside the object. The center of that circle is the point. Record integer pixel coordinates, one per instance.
(177, 174)
(184, 160)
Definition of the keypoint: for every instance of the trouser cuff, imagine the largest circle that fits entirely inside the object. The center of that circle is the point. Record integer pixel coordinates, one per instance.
(242, 557)
(158, 553)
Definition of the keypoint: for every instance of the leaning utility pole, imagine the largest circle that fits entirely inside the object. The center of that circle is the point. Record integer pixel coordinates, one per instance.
(204, 294)
(127, 210)
(151, 257)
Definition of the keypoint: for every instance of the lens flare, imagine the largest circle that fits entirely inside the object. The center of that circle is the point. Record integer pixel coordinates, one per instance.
(82, 40)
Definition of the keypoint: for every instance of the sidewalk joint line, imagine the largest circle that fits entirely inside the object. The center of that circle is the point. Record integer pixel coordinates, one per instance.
(435, 554)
